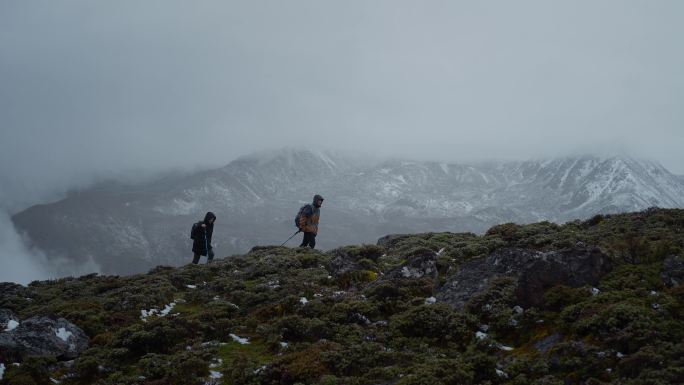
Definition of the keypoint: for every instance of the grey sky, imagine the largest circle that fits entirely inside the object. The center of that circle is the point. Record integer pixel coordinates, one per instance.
(92, 87)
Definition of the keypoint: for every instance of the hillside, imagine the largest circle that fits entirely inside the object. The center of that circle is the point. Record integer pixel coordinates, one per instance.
(130, 229)
(599, 301)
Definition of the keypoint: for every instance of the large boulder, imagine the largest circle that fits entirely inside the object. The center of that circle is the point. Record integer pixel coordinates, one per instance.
(534, 272)
(44, 336)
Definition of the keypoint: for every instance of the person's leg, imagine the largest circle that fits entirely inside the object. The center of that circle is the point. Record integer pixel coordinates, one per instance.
(309, 240)
(210, 257)
(195, 258)
(305, 240)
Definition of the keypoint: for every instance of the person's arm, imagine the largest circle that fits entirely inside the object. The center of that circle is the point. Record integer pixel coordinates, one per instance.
(304, 219)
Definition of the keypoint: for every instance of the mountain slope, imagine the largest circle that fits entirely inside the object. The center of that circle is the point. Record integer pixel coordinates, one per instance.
(133, 228)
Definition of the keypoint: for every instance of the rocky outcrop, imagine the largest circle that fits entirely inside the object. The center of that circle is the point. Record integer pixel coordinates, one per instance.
(474, 276)
(342, 263)
(43, 336)
(571, 267)
(417, 266)
(8, 320)
(533, 271)
(388, 241)
(673, 271)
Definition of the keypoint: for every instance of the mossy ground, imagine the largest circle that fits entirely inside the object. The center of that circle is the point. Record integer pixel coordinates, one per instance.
(307, 326)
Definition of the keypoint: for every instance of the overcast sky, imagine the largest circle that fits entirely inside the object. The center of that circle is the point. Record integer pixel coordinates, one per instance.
(95, 87)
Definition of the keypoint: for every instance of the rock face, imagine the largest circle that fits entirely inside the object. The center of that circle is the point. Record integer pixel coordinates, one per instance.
(43, 336)
(534, 272)
(673, 271)
(571, 267)
(343, 263)
(7, 320)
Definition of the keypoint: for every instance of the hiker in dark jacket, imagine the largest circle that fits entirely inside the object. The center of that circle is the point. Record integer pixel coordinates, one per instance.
(201, 235)
(308, 222)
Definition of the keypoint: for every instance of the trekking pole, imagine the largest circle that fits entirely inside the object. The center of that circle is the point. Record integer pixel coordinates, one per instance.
(298, 231)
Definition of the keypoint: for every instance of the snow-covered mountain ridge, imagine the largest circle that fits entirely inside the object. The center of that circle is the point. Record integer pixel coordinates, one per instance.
(132, 228)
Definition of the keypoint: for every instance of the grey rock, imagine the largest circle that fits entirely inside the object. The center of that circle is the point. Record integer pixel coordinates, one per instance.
(533, 271)
(6, 316)
(474, 276)
(547, 343)
(673, 271)
(417, 266)
(570, 267)
(44, 336)
(389, 241)
(342, 262)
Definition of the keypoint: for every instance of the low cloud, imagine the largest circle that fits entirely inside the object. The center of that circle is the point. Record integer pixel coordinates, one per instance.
(22, 264)
(19, 264)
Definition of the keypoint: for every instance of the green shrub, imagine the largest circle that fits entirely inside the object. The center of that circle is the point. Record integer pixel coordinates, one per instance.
(158, 335)
(439, 372)
(297, 328)
(437, 322)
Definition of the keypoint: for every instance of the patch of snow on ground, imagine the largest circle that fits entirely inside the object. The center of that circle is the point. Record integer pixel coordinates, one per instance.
(241, 341)
(214, 374)
(63, 334)
(259, 370)
(191, 286)
(501, 373)
(147, 313)
(303, 300)
(481, 335)
(144, 314)
(11, 325)
(216, 364)
(167, 309)
(595, 291)
(430, 301)
(284, 344)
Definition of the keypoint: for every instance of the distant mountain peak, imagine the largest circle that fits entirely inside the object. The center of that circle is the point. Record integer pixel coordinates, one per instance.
(255, 198)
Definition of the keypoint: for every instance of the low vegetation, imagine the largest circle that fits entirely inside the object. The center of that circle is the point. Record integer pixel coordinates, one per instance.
(292, 316)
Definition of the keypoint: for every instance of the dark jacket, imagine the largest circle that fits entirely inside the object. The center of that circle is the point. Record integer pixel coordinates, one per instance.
(202, 235)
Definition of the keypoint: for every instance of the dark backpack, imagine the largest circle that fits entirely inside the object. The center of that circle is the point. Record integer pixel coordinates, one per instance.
(300, 213)
(195, 226)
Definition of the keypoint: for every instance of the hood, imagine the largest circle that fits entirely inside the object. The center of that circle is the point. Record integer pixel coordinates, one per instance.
(209, 216)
